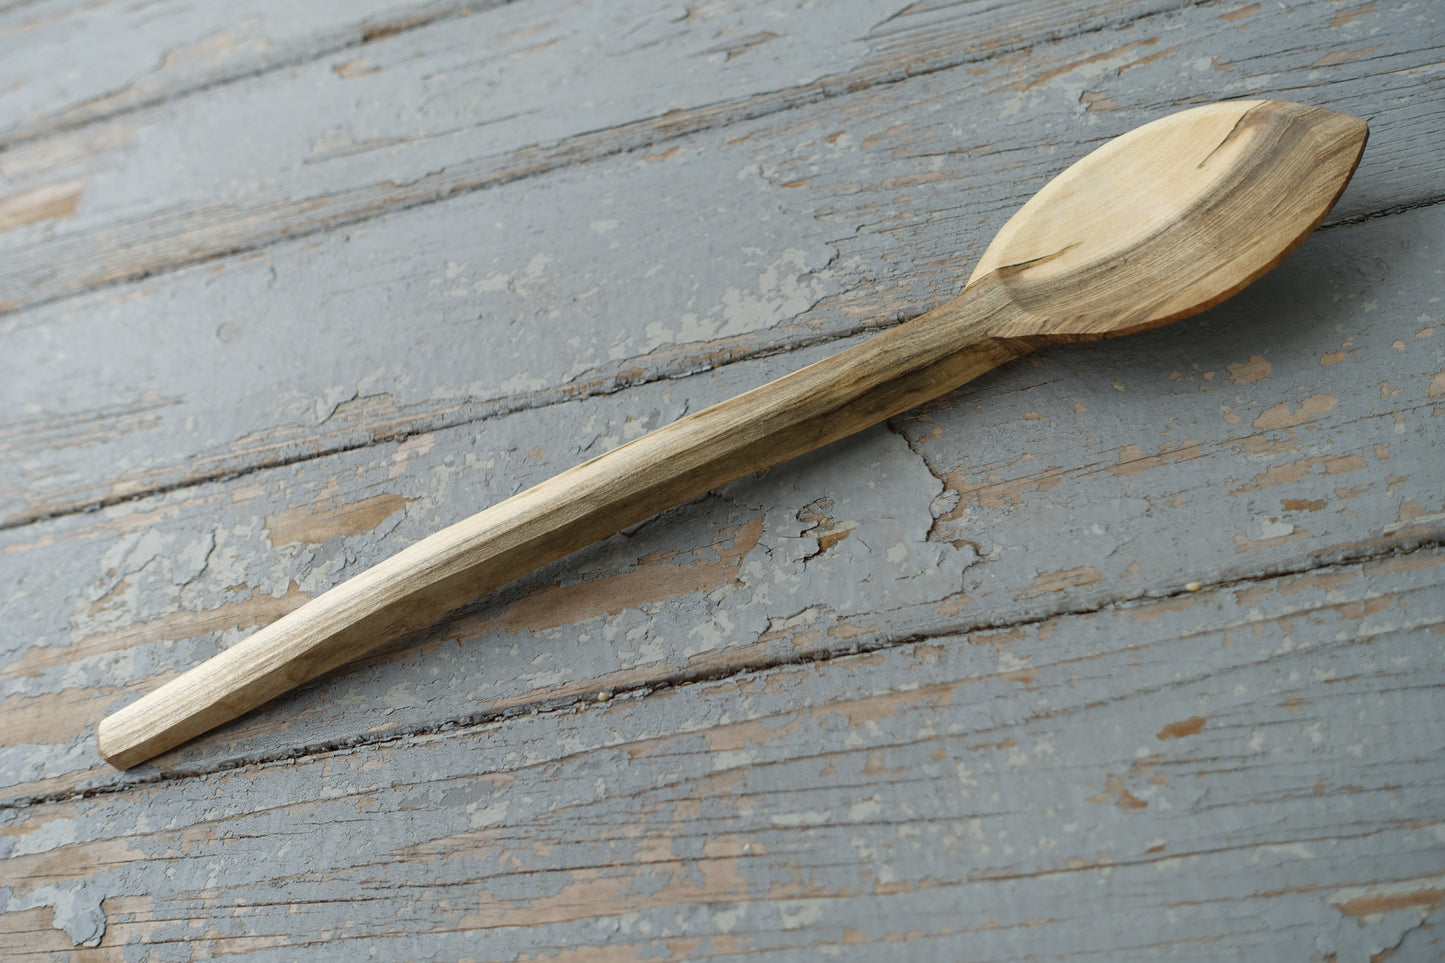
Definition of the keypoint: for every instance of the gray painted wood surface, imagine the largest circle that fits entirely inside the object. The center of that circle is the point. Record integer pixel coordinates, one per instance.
(1128, 650)
(790, 220)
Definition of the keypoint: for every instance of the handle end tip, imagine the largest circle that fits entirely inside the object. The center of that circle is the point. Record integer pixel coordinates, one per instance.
(117, 743)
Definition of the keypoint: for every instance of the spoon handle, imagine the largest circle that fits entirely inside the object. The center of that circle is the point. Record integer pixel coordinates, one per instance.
(861, 386)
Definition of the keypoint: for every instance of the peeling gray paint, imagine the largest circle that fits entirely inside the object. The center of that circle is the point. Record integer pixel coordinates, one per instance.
(77, 910)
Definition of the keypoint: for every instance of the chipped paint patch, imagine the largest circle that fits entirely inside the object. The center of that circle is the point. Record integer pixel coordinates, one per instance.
(1283, 416)
(1132, 460)
(1062, 581)
(1273, 533)
(49, 203)
(1116, 793)
(785, 289)
(1351, 14)
(1182, 729)
(1345, 56)
(1255, 369)
(357, 67)
(306, 523)
(75, 907)
(1424, 895)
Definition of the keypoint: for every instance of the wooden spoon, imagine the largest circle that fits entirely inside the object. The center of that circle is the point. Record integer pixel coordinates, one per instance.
(1156, 225)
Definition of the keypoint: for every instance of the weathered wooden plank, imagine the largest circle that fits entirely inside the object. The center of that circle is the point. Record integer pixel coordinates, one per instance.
(1249, 771)
(451, 107)
(797, 227)
(1304, 436)
(143, 213)
(68, 63)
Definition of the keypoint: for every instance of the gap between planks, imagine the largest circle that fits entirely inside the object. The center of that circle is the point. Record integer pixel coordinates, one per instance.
(1398, 545)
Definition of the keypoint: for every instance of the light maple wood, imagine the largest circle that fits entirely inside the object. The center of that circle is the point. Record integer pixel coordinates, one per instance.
(1158, 224)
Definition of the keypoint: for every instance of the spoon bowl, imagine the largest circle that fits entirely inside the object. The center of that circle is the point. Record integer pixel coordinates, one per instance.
(1171, 218)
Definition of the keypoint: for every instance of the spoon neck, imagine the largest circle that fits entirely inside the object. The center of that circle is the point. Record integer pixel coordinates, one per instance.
(988, 321)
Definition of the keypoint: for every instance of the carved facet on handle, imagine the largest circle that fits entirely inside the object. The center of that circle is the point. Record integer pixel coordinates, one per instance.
(1156, 225)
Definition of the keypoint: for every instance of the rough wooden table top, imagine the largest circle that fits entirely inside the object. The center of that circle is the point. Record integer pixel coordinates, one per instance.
(1124, 652)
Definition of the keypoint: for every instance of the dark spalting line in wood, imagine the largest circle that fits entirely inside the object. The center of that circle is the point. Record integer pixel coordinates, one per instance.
(167, 242)
(122, 102)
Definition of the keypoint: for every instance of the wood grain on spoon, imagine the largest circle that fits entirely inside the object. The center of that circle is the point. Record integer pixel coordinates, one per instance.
(1155, 225)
